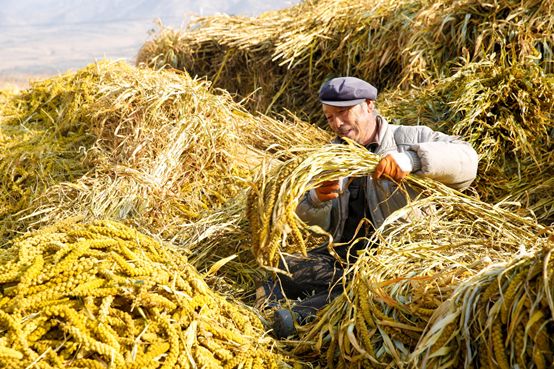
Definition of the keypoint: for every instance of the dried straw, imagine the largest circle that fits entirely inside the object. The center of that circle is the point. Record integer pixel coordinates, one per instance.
(116, 141)
(502, 317)
(508, 31)
(280, 58)
(392, 290)
(279, 187)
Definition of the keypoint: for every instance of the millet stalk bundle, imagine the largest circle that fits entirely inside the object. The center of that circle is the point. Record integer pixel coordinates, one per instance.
(102, 295)
(500, 318)
(277, 190)
(394, 287)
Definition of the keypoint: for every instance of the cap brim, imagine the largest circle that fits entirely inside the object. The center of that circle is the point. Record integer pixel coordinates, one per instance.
(343, 103)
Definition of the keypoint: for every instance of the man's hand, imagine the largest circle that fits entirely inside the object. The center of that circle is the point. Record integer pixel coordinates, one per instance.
(395, 166)
(328, 190)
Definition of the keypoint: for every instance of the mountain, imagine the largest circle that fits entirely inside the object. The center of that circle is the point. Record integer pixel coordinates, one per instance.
(45, 37)
(65, 12)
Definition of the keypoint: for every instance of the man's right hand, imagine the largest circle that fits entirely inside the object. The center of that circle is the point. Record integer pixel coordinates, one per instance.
(328, 190)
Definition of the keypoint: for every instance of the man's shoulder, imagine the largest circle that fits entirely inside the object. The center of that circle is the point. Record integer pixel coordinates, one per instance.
(407, 134)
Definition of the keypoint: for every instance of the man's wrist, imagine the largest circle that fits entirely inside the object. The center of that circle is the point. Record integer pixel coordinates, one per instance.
(403, 160)
(314, 200)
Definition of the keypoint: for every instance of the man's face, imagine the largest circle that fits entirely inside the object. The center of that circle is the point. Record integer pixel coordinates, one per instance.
(354, 122)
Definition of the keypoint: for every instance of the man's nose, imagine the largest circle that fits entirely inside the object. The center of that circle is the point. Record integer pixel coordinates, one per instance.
(337, 122)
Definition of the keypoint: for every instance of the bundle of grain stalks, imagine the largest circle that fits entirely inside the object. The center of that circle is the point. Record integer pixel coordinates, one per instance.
(280, 58)
(102, 295)
(115, 141)
(500, 318)
(509, 31)
(391, 291)
(279, 187)
(507, 114)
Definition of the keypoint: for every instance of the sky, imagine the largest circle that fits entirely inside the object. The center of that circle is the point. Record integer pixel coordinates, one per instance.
(48, 37)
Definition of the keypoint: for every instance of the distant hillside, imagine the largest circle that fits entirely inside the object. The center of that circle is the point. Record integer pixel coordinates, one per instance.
(56, 12)
(45, 37)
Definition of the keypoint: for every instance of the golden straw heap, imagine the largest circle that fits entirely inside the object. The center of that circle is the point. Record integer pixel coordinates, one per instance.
(500, 318)
(102, 295)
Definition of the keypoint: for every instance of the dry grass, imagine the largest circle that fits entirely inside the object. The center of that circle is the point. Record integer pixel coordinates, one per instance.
(282, 57)
(122, 142)
(502, 317)
(279, 69)
(176, 157)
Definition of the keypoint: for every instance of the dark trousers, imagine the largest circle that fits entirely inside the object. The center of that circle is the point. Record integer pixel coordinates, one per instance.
(313, 280)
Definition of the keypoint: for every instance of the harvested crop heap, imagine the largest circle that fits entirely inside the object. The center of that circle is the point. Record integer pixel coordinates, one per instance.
(276, 192)
(500, 318)
(121, 142)
(289, 53)
(392, 290)
(102, 295)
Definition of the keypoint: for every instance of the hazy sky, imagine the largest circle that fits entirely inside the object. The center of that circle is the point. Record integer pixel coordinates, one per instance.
(46, 37)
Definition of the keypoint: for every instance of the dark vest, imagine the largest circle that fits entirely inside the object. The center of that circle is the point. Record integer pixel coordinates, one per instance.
(357, 211)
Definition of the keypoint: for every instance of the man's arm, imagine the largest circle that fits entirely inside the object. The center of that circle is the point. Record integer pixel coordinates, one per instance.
(441, 157)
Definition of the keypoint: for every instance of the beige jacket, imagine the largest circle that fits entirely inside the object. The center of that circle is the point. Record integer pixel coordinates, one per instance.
(433, 154)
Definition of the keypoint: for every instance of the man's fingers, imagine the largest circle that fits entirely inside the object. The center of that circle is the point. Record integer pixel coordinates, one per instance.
(327, 196)
(329, 189)
(400, 175)
(389, 168)
(379, 169)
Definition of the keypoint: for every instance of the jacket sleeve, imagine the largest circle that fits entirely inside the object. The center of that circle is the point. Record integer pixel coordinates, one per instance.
(314, 212)
(441, 157)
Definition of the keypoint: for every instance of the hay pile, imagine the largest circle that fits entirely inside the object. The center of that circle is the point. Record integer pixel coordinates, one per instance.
(280, 58)
(102, 295)
(392, 291)
(445, 32)
(120, 142)
(500, 318)
(287, 54)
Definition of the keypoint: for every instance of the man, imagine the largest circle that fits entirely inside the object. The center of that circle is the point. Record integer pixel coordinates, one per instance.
(354, 207)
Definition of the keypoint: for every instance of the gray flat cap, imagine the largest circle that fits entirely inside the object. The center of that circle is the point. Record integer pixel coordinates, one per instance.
(346, 91)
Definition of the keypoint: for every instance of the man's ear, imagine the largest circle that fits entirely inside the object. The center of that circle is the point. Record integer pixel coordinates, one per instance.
(370, 105)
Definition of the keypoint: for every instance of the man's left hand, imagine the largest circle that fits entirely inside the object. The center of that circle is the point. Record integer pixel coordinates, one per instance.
(395, 166)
